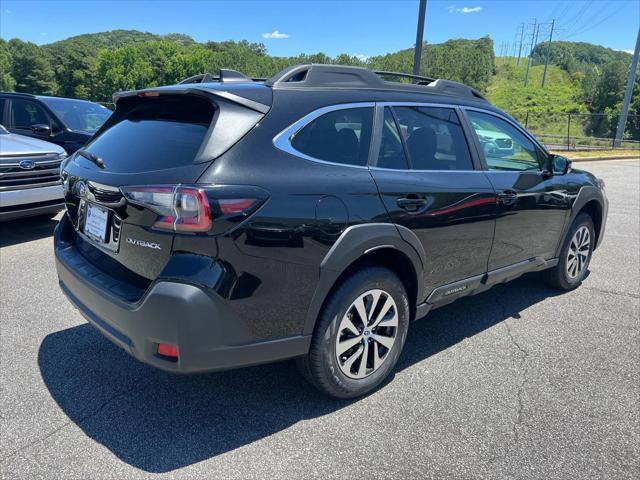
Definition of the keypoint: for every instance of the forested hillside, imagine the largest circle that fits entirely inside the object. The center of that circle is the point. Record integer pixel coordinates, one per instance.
(96, 65)
(582, 77)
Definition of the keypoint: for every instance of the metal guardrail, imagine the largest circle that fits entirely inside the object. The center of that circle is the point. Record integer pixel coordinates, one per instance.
(579, 131)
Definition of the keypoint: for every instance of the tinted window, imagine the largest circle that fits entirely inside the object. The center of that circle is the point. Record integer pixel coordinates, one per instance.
(434, 138)
(341, 136)
(504, 146)
(391, 150)
(25, 114)
(2, 104)
(155, 134)
(79, 115)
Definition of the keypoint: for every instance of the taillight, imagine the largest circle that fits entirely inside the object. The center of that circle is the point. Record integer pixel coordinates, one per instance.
(186, 208)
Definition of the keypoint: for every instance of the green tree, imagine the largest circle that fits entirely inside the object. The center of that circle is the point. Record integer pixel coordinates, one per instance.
(7, 82)
(31, 68)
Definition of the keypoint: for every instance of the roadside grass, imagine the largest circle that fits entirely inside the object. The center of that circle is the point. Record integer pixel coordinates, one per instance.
(595, 154)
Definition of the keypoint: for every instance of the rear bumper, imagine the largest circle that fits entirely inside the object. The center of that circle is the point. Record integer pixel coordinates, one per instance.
(30, 201)
(189, 316)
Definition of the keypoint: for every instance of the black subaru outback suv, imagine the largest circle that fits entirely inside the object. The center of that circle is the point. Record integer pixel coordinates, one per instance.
(225, 222)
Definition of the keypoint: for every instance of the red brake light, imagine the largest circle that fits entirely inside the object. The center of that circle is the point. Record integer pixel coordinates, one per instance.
(237, 206)
(148, 94)
(168, 350)
(186, 208)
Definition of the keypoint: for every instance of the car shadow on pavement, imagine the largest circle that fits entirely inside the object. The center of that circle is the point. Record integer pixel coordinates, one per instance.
(26, 230)
(159, 422)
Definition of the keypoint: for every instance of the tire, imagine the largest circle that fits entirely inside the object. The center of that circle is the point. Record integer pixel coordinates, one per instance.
(369, 288)
(570, 273)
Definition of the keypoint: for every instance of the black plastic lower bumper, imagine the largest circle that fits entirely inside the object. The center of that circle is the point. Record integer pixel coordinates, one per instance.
(196, 321)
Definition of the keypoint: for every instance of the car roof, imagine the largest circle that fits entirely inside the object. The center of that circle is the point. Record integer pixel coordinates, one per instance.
(50, 97)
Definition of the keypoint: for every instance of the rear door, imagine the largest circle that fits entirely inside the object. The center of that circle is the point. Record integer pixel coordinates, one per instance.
(431, 184)
(532, 206)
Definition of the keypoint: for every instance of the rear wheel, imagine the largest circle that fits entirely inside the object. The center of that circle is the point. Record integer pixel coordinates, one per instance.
(360, 334)
(575, 256)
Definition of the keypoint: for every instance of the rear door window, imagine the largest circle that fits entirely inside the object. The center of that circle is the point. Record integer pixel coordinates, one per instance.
(342, 136)
(434, 138)
(392, 153)
(155, 134)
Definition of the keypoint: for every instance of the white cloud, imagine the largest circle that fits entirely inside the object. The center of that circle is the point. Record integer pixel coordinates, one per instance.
(275, 34)
(630, 51)
(453, 9)
(362, 57)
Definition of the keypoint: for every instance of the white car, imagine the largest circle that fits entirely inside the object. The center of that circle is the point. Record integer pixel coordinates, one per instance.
(29, 176)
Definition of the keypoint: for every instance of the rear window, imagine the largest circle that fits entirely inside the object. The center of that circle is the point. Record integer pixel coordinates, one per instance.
(155, 134)
(341, 136)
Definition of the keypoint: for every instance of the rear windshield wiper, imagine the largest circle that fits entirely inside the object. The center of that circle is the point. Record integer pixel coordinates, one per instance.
(90, 156)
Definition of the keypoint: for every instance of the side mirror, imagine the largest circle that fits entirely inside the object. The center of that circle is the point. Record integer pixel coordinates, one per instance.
(560, 165)
(41, 129)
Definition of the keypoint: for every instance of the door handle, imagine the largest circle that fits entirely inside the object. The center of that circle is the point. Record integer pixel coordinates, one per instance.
(411, 203)
(508, 197)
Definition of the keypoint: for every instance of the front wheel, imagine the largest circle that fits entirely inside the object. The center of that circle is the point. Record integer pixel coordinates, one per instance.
(575, 256)
(360, 334)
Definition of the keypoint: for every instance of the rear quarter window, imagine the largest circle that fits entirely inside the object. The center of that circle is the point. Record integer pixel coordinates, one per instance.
(342, 136)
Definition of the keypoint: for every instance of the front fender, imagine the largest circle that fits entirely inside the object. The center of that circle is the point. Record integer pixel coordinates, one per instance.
(585, 195)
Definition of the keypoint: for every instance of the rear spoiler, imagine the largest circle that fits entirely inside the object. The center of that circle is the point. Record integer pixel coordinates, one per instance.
(194, 89)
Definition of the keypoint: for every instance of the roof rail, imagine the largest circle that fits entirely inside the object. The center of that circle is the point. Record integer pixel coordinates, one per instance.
(423, 80)
(225, 75)
(341, 76)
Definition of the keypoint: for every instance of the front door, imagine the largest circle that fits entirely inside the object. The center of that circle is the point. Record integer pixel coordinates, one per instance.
(430, 184)
(531, 209)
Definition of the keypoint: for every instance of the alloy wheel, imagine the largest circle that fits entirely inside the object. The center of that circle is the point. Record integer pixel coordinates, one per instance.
(367, 334)
(578, 253)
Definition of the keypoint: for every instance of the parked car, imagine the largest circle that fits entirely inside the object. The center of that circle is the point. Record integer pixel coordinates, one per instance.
(67, 122)
(494, 142)
(29, 176)
(313, 216)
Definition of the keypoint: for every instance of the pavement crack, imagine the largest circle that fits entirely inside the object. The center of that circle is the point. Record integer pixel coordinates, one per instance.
(116, 395)
(622, 294)
(524, 375)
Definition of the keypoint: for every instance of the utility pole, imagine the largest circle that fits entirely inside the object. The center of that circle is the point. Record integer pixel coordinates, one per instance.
(546, 59)
(534, 34)
(627, 94)
(417, 53)
(521, 38)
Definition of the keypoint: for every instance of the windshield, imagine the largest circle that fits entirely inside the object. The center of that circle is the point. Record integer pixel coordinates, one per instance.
(79, 114)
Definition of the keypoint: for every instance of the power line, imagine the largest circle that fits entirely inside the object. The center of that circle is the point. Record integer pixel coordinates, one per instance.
(573, 23)
(602, 20)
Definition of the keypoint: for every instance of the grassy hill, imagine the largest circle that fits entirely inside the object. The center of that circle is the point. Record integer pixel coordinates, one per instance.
(561, 95)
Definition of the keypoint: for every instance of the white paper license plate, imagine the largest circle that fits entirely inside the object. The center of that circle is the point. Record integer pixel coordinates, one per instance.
(95, 224)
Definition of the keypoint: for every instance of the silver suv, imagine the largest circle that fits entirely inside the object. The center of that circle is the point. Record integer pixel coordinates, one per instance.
(29, 176)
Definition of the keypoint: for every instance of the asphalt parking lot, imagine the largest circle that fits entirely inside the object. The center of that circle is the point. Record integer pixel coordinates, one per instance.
(518, 382)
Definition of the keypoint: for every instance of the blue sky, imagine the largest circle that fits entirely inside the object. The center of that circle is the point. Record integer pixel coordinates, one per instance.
(365, 27)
